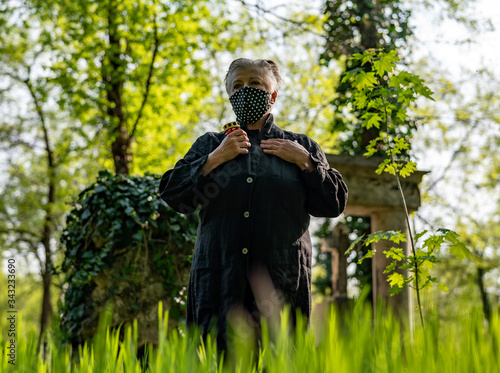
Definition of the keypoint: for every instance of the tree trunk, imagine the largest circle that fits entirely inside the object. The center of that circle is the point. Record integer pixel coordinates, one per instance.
(484, 295)
(113, 77)
(46, 270)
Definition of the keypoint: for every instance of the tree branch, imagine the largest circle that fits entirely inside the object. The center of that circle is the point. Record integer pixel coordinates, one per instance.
(301, 25)
(20, 231)
(148, 81)
(455, 154)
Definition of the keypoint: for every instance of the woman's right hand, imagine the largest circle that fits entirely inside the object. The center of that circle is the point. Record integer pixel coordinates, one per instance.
(235, 143)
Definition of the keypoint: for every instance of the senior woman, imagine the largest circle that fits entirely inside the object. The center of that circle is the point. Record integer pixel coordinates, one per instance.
(257, 187)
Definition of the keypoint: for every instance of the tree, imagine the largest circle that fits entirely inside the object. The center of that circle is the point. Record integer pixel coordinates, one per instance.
(354, 27)
(462, 134)
(135, 68)
(40, 154)
(84, 78)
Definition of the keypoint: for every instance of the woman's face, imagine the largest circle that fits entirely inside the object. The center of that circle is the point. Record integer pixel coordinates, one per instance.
(251, 77)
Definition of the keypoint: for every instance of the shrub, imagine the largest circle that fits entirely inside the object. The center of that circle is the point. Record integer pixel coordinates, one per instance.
(123, 244)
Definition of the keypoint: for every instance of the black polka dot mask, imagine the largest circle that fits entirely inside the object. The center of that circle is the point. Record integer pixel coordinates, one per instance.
(250, 104)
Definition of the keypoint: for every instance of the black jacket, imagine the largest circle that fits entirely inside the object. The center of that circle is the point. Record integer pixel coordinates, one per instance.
(254, 211)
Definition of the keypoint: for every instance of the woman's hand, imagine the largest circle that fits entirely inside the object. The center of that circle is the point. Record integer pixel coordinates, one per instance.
(235, 143)
(290, 151)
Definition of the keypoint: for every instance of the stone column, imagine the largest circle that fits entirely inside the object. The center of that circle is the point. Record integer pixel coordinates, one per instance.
(378, 197)
(337, 244)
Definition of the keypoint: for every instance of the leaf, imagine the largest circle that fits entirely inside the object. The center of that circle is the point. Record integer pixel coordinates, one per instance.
(394, 236)
(354, 243)
(381, 167)
(443, 287)
(370, 152)
(408, 169)
(369, 254)
(391, 267)
(395, 253)
(386, 63)
(349, 74)
(457, 247)
(363, 80)
(395, 290)
(419, 235)
(396, 279)
(371, 120)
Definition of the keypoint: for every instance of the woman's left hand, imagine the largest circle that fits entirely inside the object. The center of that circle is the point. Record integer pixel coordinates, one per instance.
(290, 151)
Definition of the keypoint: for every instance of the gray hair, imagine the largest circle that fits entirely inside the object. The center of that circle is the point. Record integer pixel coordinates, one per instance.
(269, 66)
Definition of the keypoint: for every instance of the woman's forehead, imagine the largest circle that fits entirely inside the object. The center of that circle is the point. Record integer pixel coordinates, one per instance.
(244, 73)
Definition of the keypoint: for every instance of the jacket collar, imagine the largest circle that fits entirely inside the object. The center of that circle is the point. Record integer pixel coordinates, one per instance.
(270, 129)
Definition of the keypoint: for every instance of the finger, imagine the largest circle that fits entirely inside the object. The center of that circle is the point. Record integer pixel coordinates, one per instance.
(242, 138)
(238, 132)
(270, 151)
(269, 144)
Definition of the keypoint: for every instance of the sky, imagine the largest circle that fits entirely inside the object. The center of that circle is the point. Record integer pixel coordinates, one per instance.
(441, 38)
(443, 43)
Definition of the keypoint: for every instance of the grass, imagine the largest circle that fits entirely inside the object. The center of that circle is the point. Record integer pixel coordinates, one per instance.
(356, 342)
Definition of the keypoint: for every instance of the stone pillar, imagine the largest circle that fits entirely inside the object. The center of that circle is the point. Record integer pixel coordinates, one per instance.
(337, 244)
(378, 197)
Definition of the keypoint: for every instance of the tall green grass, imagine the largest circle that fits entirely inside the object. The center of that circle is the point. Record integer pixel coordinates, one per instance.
(354, 342)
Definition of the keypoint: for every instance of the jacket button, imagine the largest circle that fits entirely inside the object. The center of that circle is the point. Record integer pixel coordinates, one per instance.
(246, 214)
(249, 180)
(245, 250)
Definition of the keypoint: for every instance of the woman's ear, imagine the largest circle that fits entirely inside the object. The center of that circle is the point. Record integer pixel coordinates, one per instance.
(273, 97)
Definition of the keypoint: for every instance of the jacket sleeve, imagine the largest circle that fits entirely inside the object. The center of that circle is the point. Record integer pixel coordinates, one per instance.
(182, 187)
(326, 190)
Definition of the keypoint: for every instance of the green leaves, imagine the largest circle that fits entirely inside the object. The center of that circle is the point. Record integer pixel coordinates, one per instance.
(397, 281)
(371, 120)
(117, 214)
(363, 80)
(404, 269)
(382, 97)
(386, 63)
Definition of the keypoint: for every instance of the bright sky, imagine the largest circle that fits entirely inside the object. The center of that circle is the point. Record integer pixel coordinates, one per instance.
(441, 41)
(440, 38)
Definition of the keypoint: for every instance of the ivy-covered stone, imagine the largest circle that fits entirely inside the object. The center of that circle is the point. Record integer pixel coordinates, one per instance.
(123, 244)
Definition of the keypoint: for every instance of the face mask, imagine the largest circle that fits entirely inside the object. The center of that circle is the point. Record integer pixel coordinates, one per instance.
(250, 104)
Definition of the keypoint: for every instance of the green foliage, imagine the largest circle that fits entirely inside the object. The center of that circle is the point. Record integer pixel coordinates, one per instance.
(355, 26)
(389, 96)
(404, 269)
(117, 214)
(463, 347)
(136, 72)
(383, 97)
(352, 28)
(462, 133)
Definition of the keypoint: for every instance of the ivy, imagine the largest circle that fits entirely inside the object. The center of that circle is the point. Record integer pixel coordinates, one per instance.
(115, 214)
